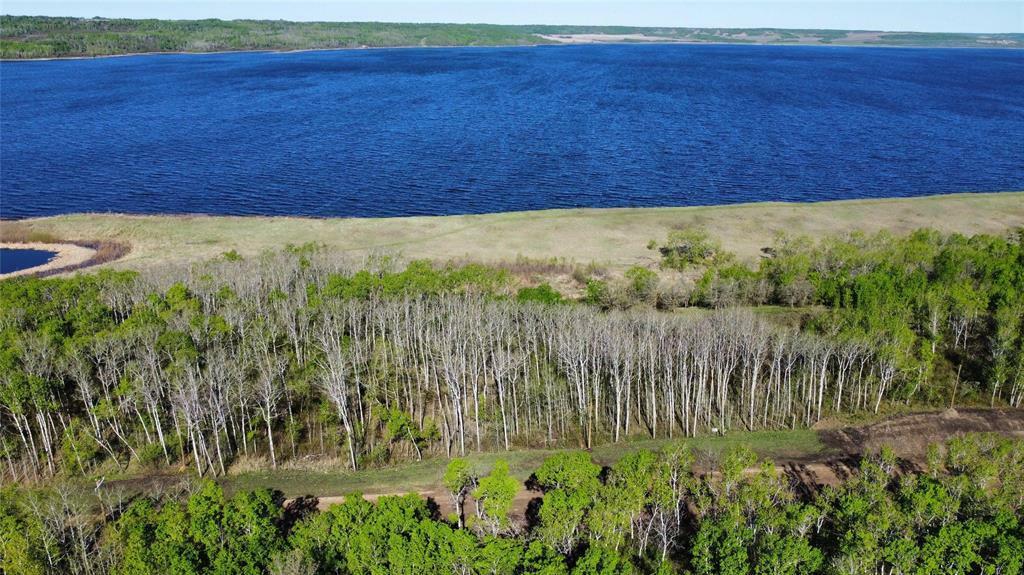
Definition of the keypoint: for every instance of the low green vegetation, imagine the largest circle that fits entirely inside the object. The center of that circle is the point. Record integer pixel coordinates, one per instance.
(48, 37)
(544, 294)
(689, 247)
(430, 474)
(420, 278)
(650, 512)
(944, 39)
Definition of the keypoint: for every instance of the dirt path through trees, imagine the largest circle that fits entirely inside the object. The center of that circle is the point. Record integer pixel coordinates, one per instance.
(908, 435)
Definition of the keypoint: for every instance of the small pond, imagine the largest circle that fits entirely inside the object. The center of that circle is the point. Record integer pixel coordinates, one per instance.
(12, 260)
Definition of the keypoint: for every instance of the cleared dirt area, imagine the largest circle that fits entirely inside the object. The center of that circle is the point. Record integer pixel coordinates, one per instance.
(613, 237)
(606, 38)
(910, 435)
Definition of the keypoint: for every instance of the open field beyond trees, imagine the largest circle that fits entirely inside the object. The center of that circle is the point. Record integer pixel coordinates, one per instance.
(612, 237)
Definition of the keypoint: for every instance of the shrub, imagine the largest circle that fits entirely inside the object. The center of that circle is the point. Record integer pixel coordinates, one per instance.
(150, 454)
(78, 450)
(642, 282)
(597, 292)
(687, 247)
(544, 294)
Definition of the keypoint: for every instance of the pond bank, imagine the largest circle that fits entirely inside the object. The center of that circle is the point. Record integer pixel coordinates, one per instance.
(67, 255)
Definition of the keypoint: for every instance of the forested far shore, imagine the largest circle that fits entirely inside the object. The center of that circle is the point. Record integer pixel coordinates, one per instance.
(651, 512)
(55, 37)
(301, 354)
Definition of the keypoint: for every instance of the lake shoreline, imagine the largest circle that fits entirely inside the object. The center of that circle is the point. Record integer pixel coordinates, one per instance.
(541, 211)
(503, 46)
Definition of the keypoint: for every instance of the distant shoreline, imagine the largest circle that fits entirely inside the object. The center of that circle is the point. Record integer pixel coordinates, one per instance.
(298, 51)
(43, 38)
(504, 46)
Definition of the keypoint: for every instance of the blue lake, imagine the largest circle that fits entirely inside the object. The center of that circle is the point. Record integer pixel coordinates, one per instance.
(463, 130)
(12, 260)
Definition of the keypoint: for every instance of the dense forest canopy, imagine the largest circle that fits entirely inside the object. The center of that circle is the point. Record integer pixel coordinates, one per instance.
(649, 513)
(50, 37)
(300, 354)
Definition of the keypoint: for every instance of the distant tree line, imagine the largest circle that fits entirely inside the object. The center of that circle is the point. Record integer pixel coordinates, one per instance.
(27, 37)
(47, 37)
(649, 513)
(296, 354)
(52, 37)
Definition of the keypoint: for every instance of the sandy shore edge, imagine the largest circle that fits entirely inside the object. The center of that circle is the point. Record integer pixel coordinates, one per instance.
(67, 255)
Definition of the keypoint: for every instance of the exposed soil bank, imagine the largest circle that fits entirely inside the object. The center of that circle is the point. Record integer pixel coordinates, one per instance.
(910, 435)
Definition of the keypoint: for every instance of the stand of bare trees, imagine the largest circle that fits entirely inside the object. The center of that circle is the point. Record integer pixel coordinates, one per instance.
(259, 360)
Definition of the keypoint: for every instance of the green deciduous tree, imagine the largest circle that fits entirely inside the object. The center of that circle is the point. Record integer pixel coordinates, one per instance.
(494, 496)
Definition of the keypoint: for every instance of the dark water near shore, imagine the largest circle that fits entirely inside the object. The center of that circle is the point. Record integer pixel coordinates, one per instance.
(439, 131)
(12, 260)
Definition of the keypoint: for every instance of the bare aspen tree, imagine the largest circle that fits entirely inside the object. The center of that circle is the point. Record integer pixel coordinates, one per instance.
(269, 367)
(336, 379)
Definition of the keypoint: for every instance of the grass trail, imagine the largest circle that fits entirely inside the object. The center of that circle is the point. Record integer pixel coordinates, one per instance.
(426, 475)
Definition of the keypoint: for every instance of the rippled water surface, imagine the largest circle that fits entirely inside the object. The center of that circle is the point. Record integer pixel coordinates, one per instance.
(439, 131)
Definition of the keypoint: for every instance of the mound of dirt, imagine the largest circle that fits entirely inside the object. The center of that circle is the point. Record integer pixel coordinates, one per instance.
(910, 435)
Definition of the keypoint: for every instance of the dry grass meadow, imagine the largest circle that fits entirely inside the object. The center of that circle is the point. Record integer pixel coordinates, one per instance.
(616, 238)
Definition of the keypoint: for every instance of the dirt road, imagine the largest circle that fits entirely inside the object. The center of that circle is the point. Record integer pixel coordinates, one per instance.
(908, 435)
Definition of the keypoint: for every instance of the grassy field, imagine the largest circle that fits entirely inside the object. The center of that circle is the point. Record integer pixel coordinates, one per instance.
(616, 238)
(426, 475)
